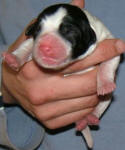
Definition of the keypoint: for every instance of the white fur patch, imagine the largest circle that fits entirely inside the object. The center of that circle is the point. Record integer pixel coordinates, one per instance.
(51, 23)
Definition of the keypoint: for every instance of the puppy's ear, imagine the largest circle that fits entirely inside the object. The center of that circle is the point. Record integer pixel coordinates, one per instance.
(30, 29)
(92, 36)
(33, 29)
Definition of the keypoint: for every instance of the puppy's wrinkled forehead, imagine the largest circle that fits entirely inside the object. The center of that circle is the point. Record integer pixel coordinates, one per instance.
(51, 22)
(52, 17)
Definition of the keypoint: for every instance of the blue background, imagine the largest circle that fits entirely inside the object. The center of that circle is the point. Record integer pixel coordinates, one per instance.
(111, 135)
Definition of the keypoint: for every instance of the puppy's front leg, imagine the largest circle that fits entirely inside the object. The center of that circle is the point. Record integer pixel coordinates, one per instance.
(21, 55)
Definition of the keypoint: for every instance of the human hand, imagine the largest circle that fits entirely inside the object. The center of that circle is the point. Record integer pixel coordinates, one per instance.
(54, 100)
(51, 98)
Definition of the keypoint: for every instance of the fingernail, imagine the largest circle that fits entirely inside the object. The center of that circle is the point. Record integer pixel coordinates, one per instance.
(120, 45)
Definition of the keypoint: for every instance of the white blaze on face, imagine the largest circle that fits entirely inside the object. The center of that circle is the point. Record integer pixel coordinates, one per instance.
(51, 23)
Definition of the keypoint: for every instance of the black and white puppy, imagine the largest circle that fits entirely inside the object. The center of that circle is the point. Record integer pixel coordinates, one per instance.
(61, 35)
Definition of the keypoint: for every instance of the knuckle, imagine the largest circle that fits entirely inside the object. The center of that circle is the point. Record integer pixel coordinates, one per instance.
(94, 101)
(120, 46)
(50, 125)
(39, 95)
(29, 71)
(41, 114)
(35, 96)
(91, 110)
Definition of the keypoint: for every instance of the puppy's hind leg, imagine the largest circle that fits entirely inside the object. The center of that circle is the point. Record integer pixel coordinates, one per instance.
(106, 75)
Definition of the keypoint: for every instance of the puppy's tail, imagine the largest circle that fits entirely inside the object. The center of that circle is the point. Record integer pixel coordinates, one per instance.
(88, 137)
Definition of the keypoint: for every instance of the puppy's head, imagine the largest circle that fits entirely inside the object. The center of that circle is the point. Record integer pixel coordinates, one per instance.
(62, 34)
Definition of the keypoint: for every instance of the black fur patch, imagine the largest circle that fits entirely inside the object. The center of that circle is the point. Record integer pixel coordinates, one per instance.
(76, 29)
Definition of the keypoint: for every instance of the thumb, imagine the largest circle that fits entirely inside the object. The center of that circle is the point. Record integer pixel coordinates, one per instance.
(104, 51)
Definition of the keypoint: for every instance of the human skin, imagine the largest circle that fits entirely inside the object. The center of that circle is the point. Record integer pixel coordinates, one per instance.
(53, 99)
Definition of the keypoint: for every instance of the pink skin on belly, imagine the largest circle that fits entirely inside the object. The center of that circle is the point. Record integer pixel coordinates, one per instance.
(51, 50)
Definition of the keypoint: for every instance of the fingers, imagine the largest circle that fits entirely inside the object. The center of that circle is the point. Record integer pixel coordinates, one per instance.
(105, 50)
(80, 83)
(79, 3)
(67, 119)
(55, 87)
(49, 111)
(60, 113)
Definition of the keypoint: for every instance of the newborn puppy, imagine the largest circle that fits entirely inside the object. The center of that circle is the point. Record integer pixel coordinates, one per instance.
(61, 35)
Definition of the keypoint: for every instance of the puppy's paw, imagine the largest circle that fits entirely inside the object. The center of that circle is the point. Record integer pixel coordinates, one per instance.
(11, 60)
(106, 87)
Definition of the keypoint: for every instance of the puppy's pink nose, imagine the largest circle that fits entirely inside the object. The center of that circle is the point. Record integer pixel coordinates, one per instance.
(51, 49)
(47, 50)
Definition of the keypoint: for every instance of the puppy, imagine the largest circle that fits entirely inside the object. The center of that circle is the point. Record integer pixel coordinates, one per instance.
(61, 35)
